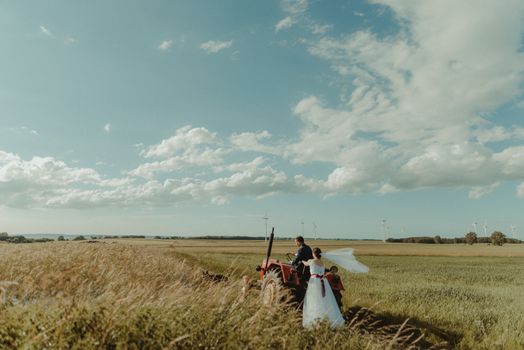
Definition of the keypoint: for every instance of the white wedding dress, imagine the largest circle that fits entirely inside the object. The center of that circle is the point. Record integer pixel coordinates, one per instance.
(317, 306)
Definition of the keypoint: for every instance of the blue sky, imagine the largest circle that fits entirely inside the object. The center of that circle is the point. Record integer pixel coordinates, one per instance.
(198, 117)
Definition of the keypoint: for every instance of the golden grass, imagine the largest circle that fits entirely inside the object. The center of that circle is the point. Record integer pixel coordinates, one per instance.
(128, 296)
(362, 248)
(474, 300)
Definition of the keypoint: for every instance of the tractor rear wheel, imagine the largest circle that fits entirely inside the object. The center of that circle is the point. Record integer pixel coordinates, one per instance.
(273, 291)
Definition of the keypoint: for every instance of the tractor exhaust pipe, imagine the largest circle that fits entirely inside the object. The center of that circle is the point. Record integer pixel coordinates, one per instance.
(269, 247)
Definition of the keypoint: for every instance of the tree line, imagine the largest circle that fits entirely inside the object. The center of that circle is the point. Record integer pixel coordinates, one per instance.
(496, 238)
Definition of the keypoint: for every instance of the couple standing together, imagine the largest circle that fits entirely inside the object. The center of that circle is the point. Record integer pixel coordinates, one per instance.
(319, 302)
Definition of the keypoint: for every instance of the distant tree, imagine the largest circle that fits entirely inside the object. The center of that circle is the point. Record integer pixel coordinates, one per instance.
(437, 239)
(471, 238)
(79, 238)
(497, 238)
(3, 234)
(486, 240)
(60, 238)
(19, 239)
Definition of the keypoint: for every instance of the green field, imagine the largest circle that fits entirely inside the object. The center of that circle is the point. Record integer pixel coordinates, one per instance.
(470, 301)
(148, 294)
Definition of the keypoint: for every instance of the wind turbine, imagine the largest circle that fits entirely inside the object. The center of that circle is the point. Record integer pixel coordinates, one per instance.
(513, 234)
(265, 218)
(384, 230)
(315, 230)
(485, 229)
(475, 227)
(302, 222)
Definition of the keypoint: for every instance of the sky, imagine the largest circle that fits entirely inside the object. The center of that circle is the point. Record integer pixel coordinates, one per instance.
(199, 117)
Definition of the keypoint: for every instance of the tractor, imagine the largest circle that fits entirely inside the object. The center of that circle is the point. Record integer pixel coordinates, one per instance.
(280, 281)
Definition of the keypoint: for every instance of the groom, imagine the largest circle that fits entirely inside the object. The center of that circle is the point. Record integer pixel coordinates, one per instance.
(304, 253)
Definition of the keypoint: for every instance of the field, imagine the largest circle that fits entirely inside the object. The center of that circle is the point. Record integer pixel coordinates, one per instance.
(149, 294)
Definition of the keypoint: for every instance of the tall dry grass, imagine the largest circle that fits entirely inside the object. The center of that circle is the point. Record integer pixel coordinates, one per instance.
(115, 296)
(471, 302)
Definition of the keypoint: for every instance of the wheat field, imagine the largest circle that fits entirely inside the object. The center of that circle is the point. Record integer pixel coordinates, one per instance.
(150, 294)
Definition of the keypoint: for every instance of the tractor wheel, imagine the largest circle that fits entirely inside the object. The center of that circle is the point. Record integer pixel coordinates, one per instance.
(273, 291)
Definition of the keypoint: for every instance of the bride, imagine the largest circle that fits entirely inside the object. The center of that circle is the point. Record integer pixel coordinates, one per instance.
(319, 302)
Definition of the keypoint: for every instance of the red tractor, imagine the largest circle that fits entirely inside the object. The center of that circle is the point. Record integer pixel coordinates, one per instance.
(280, 280)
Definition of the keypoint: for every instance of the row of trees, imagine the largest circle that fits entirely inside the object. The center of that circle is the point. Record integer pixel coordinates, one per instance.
(4, 237)
(497, 238)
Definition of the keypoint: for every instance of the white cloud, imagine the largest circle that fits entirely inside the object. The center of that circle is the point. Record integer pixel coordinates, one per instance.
(416, 111)
(43, 171)
(165, 45)
(365, 165)
(108, 128)
(479, 192)
(211, 47)
(417, 101)
(21, 181)
(189, 158)
(498, 134)
(358, 14)
(46, 182)
(253, 179)
(450, 165)
(70, 40)
(295, 7)
(326, 133)
(234, 167)
(185, 138)
(250, 141)
(250, 179)
(387, 188)
(46, 31)
(321, 28)
(187, 148)
(295, 10)
(284, 23)
(510, 162)
(520, 190)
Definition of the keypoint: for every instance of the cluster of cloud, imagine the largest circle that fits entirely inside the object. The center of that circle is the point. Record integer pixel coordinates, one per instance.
(48, 182)
(212, 46)
(415, 112)
(296, 12)
(21, 182)
(188, 147)
(165, 45)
